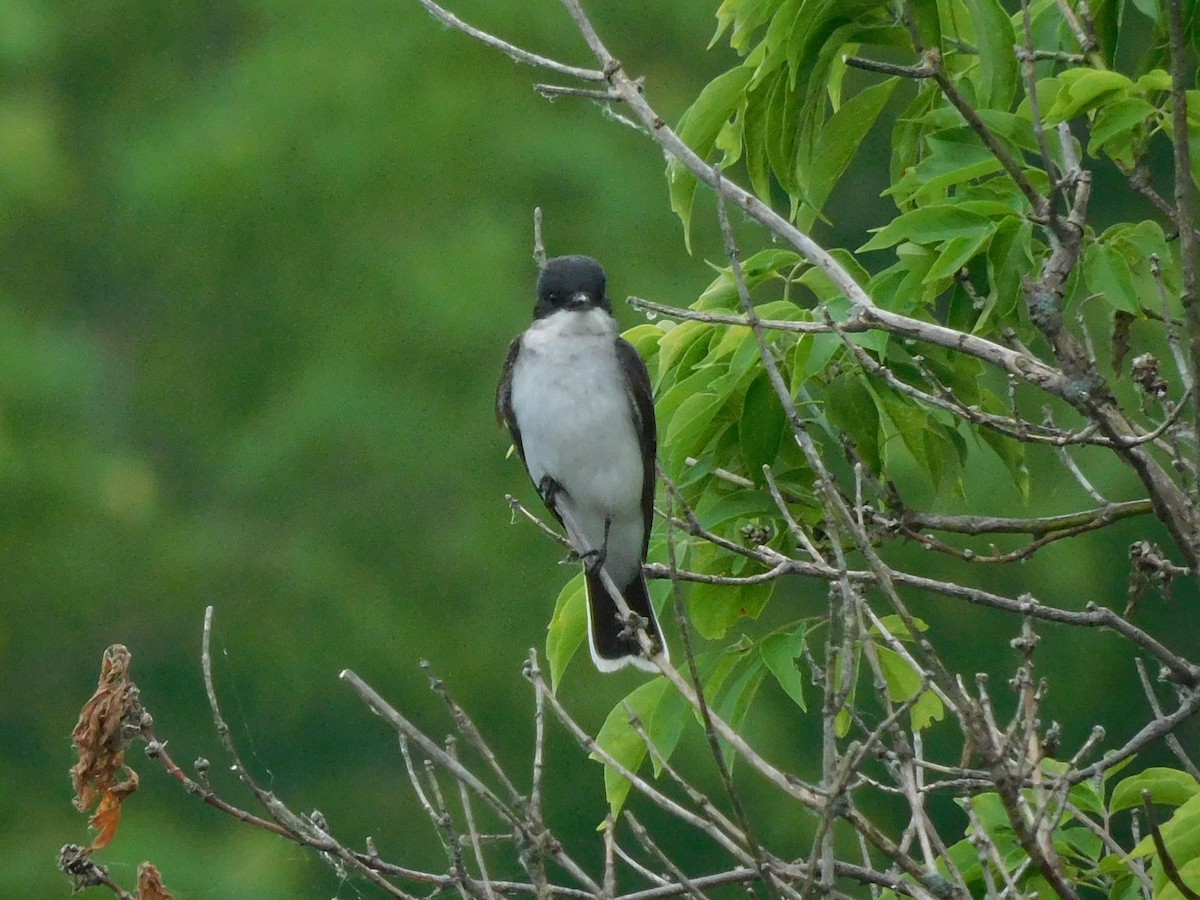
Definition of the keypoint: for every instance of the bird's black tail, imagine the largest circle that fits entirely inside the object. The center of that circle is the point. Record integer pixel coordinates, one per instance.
(613, 645)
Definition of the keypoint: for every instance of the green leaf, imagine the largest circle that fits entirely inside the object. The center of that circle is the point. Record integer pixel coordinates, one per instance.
(677, 341)
(1181, 835)
(745, 16)
(760, 427)
(1117, 125)
(928, 21)
(1169, 787)
(646, 339)
(699, 127)
(909, 132)
(823, 287)
(618, 739)
(989, 809)
(1081, 90)
(842, 723)
(947, 164)
(754, 132)
(838, 141)
(1189, 874)
(928, 225)
(735, 705)
(850, 407)
(927, 710)
(955, 254)
(666, 724)
(735, 505)
(997, 61)
(896, 627)
(904, 683)
(764, 266)
(1155, 80)
(1087, 797)
(734, 337)
(779, 652)
(812, 354)
(691, 427)
(782, 112)
(913, 427)
(715, 607)
(567, 629)
(1010, 450)
(1137, 244)
(1010, 258)
(1106, 272)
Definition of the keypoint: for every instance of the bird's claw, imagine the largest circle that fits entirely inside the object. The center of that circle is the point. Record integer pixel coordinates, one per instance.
(548, 490)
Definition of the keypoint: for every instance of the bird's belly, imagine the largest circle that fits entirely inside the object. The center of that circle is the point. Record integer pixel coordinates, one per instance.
(577, 427)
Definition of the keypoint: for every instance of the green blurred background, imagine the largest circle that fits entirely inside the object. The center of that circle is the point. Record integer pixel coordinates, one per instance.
(259, 264)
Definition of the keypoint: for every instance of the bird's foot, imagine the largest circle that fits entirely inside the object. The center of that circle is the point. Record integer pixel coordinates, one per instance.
(593, 560)
(548, 490)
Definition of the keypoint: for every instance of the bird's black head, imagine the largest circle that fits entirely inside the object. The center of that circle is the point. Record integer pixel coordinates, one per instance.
(570, 282)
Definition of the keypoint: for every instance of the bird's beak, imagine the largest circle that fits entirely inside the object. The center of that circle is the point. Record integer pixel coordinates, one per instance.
(580, 300)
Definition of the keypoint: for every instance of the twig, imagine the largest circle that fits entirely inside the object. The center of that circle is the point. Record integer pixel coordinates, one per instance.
(644, 839)
(1042, 208)
(886, 68)
(510, 50)
(1147, 735)
(868, 317)
(539, 743)
(518, 507)
(1027, 58)
(1105, 834)
(467, 728)
(539, 249)
(1070, 465)
(385, 710)
(77, 864)
(1182, 362)
(550, 91)
(1164, 855)
(1185, 205)
(1171, 740)
(156, 749)
(1087, 41)
(639, 784)
(980, 525)
(714, 743)
(303, 830)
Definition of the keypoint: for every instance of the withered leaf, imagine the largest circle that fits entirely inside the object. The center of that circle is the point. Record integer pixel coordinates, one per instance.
(150, 886)
(108, 813)
(108, 722)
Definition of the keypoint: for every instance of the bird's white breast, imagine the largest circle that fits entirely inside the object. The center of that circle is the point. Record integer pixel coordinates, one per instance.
(576, 422)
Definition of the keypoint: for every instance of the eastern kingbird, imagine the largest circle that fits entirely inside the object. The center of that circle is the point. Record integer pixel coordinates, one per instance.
(577, 398)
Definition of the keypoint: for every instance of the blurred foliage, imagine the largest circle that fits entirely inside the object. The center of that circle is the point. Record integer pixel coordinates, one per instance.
(259, 263)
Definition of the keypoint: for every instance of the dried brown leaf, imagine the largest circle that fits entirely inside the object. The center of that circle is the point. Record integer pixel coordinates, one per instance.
(108, 813)
(150, 886)
(108, 722)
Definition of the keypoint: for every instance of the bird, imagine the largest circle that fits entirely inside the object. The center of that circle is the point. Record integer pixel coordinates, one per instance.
(577, 399)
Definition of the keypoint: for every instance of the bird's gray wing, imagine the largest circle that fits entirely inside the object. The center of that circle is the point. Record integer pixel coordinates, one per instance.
(641, 402)
(504, 409)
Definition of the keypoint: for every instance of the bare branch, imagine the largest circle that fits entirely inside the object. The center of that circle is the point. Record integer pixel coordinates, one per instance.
(510, 50)
(1185, 204)
(1164, 855)
(539, 249)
